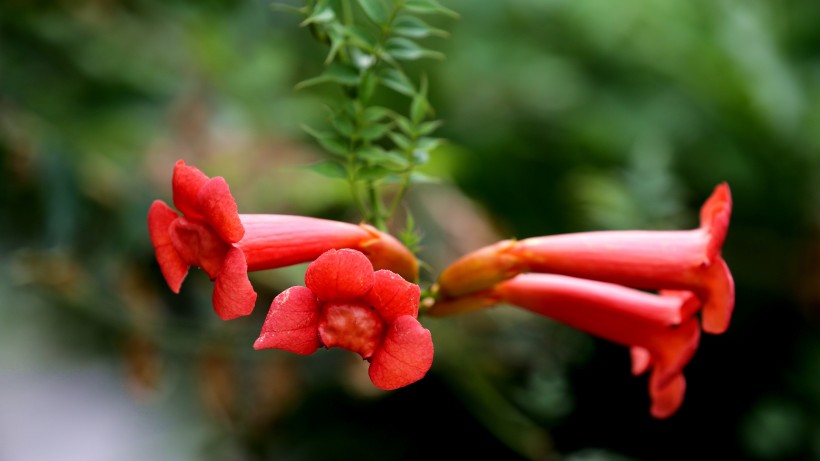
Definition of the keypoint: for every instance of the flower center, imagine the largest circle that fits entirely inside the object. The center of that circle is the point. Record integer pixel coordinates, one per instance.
(198, 245)
(352, 326)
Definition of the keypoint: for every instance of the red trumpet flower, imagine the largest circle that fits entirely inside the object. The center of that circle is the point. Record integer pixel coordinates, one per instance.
(682, 260)
(211, 234)
(346, 304)
(659, 329)
(204, 236)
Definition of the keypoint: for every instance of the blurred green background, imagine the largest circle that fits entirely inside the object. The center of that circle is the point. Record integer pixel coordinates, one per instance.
(560, 116)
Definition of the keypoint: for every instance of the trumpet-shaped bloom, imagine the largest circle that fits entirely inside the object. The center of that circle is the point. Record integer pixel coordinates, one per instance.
(660, 330)
(211, 234)
(654, 260)
(346, 304)
(205, 235)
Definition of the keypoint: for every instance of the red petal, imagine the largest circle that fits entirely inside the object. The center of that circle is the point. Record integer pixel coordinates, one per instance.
(667, 399)
(641, 360)
(404, 357)
(392, 296)
(720, 297)
(185, 183)
(198, 245)
(233, 294)
(339, 275)
(218, 207)
(292, 323)
(714, 218)
(174, 269)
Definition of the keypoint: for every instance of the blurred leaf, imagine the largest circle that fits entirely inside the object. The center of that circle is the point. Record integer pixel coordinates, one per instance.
(413, 27)
(327, 168)
(408, 50)
(397, 81)
(335, 73)
(429, 7)
(375, 10)
(329, 141)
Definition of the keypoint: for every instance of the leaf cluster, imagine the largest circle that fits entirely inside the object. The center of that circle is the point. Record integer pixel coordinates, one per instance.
(370, 145)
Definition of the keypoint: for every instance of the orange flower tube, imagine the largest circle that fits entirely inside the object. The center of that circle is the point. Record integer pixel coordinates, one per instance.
(660, 330)
(654, 260)
(212, 235)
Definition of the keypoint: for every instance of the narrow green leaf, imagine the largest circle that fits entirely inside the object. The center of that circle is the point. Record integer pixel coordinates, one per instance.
(361, 38)
(428, 127)
(329, 141)
(429, 7)
(390, 160)
(406, 126)
(343, 125)
(397, 81)
(327, 168)
(334, 73)
(413, 27)
(408, 50)
(368, 86)
(401, 141)
(374, 114)
(375, 131)
(321, 15)
(419, 107)
(372, 173)
(375, 10)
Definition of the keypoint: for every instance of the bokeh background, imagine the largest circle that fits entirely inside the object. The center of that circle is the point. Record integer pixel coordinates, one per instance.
(560, 116)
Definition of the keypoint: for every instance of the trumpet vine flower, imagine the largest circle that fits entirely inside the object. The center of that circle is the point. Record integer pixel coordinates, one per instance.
(652, 260)
(205, 235)
(212, 235)
(345, 304)
(660, 329)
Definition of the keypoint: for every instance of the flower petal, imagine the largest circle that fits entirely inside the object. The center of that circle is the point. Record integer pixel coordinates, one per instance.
(292, 323)
(392, 296)
(714, 218)
(667, 399)
(198, 245)
(219, 208)
(719, 295)
(339, 275)
(233, 294)
(185, 183)
(641, 359)
(405, 356)
(174, 269)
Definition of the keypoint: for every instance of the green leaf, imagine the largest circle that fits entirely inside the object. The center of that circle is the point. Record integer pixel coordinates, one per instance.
(406, 126)
(413, 27)
(375, 10)
(421, 178)
(390, 160)
(321, 15)
(375, 131)
(368, 86)
(327, 168)
(335, 73)
(419, 107)
(408, 50)
(343, 125)
(400, 140)
(372, 173)
(428, 127)
(374, 114)
(429, 7)
(361, 38)
(397, 81)
(329, 141)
